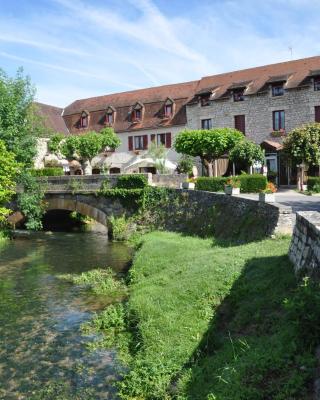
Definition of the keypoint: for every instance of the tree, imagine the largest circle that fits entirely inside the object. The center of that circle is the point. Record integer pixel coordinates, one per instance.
(84, 147)
(209, 145)
(247, 152)
(302, 145)
(185, 164)
(8, 172)
(158, 153)
(19, 123)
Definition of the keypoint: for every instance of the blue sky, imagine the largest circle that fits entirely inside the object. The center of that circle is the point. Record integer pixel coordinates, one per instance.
(76, 48)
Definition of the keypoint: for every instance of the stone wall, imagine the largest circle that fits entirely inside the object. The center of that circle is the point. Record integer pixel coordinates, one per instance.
(304, 250)
(170, 181)
(226, 217)
(298, 104)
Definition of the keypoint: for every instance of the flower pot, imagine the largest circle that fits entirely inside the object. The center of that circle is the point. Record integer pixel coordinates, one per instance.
(267, 197)
(188, 185)
(231, 191)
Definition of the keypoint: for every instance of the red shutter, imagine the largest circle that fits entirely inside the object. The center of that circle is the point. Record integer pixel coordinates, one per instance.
(145, 142)
(240, 123)
(317, 113)
(130, 143)
(168, 140)
(153, 138)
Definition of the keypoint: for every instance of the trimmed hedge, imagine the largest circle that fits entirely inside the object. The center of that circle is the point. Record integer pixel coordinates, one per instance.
(211, 184)
(132, 181)
(252, 183)
(248, 183)
(49, 171)
(314, 183)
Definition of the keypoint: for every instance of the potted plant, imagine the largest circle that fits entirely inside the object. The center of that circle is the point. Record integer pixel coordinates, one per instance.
(189, 184)
(232, 187)
(267, 195)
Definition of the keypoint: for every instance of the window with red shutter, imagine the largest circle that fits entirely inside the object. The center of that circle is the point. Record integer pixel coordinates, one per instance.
(240, 123)
(130, 143)
(145, 142)
(168, 140)
(317, 114)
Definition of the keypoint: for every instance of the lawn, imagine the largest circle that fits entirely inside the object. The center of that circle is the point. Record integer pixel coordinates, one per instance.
(217, 322)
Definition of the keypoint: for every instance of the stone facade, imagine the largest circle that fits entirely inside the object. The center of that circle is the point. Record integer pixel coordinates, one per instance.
(304, 249)
(298, 104)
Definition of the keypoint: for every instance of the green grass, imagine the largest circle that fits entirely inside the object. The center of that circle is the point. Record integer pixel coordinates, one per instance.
(217, 322)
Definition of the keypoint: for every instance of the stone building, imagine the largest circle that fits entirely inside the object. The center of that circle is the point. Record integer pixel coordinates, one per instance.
(265, 103)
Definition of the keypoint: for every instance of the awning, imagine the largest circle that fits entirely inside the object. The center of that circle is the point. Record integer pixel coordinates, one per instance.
(149, 162)
(271, 145)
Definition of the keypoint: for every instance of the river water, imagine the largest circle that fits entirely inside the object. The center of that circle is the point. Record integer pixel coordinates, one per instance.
(42, 350)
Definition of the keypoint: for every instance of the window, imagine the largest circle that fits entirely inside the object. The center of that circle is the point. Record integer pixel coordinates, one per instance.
(205, 100)
(168, 110)
(317, 83)
(162, 139)
(136, 114)
(317, 114)
(238, 95)
(240, 123)
(278, 120)
(84, 120)
(277, 90)
(206, 123)
(138, 142)
(109, 118)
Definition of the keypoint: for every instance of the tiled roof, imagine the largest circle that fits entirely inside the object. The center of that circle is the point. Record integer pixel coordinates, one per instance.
(294, 72)
(52, 117)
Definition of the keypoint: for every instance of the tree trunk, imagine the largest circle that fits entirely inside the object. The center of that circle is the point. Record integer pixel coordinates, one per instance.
(208, 165)
(87, 168)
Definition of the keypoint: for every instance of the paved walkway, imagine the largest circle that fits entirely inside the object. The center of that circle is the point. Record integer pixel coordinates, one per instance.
(291, 198)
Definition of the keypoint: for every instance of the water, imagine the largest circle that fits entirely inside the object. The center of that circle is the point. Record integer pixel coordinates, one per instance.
(41, 345)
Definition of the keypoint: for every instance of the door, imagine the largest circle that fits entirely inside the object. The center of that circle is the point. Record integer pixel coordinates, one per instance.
(272, 165)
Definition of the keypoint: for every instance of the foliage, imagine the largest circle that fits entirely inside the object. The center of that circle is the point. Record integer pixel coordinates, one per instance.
(131, 198)
(100, 281)
(132, 181)
(314, 184)
(69, 147)
(303, 144)
(252, 183)
(233, 182)
(31, 200)
(158, 153)
(203, 315)
(271, 188)
(211, 184)
(20, 124)
(185, 164)
(55, 143)
(47, 171)
(8, 173)
(247, 151)
(120, 228)
(209, 145)
(75, 185)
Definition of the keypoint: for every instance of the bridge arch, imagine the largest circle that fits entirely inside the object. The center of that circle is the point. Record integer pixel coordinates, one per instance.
(73, 204)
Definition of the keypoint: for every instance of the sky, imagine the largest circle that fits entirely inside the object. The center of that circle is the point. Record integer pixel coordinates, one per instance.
(75, 49)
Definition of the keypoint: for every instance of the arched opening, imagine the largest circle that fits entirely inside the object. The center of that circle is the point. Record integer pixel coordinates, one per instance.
(115, 170)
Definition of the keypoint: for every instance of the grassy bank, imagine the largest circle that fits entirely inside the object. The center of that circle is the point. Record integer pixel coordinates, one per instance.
(217, 322)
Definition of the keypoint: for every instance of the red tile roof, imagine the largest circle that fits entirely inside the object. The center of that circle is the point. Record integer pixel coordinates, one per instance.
(52, 117)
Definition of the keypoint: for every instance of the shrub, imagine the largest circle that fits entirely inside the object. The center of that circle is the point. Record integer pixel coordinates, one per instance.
(120, 228)
(314, 184)
(211, 184)
(132, 181)
(253, 183)
(49, 171)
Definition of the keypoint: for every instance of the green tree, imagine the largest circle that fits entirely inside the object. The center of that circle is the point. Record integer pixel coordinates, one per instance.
(302, 145)
(19, 123)
(209, 145)
(185, 164)
(8, 172)
(247, 152)
(55, 143)
(158, 153)
(86, 146)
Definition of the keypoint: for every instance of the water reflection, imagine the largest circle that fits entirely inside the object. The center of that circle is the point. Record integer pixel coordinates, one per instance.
(40, 316)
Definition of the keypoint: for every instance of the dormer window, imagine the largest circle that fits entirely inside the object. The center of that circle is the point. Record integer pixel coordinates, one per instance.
(136, 114)
(317, 83)
(238, 95)
(110, 116)
(84, 119)
(277, 90)
(205, 100)
(168, 108)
